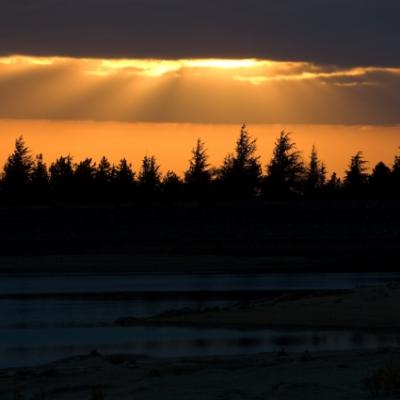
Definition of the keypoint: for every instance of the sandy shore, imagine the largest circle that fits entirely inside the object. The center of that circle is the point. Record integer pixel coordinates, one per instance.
(369, 308)
(280, 375)
(326, 376)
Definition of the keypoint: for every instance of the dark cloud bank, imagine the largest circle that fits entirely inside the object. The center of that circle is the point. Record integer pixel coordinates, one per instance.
(341, 32)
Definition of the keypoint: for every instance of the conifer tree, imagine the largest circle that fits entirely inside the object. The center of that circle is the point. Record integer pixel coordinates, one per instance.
(356, 177)
(240, 173)
(315, 174)
(395, 181)
(149, 177)
(172, 187)
(39, 180)
(198, 176)
(18, 169)
(285, 172)
(61, 177)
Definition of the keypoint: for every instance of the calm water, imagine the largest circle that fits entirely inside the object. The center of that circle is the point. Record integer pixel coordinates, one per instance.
(37, 327)
(21, 347)
(91, 283)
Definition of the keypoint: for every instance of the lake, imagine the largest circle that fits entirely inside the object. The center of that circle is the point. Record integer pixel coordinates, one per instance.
(44, 317)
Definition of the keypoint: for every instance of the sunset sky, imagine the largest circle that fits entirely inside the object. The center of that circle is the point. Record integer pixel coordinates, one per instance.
(130, 77)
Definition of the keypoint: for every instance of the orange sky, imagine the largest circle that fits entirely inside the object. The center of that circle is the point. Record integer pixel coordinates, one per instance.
(172, 143)
(149, 106)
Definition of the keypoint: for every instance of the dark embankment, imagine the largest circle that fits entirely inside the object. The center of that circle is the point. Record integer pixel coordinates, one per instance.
(303, 236)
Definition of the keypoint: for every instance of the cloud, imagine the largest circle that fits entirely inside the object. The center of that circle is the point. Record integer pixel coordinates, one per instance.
(197, 91)
(330, 32)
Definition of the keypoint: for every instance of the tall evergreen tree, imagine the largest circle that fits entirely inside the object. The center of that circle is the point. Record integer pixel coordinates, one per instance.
(104, 172)
(149, 177)
(40, 179)
(103, 178)
(61, 177)
(18, 169)
(356, 177)
(395, 181)
(123, 181)
(315, 175)
(285, 172)
(85, 172)
(198, 176)
(123, 173)
(240, 173)
(61, 170)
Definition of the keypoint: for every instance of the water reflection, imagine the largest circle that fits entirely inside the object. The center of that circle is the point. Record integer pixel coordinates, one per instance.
(33, 347)
(146, 283)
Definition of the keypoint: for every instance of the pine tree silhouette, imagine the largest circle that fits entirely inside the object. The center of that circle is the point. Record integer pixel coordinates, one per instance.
(84, 180)
(240, 174)
(149, 178)
(315, 175)
(25, 179)
(285, 172)
(356, 178)
(123, 182)
(39, 180)
(198, 176)
(61, 178)
(172, 187)
(17, 171)
(395, 181)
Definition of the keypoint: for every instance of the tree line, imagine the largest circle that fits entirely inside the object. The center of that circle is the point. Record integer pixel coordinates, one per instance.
(241, 177)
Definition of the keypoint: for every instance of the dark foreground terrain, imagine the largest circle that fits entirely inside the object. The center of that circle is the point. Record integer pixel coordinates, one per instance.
(286, 237)
(306, 235)
(303, 376)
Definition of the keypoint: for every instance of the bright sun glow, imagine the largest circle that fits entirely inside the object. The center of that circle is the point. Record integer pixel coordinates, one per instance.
(162, 67)
(145, 67)
(194, 90)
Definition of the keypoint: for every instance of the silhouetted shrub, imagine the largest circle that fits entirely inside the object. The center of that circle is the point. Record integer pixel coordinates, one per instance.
(380, 181)
(97, 393)
(385, 380)
(172, 187)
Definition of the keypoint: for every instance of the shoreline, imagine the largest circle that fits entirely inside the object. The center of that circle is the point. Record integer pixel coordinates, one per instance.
(376, 308)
